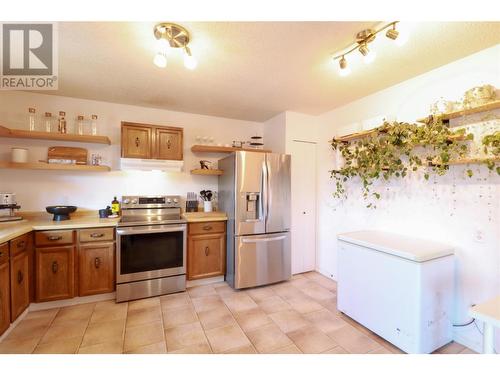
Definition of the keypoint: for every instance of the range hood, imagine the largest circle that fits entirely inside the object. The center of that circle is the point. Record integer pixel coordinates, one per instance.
(131, 164)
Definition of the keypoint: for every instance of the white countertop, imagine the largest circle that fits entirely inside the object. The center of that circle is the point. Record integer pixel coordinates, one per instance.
(414, 249)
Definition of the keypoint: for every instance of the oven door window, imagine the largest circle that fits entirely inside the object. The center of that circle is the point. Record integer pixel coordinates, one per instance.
(150, 252)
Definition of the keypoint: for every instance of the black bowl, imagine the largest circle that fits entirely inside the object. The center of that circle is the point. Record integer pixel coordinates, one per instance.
(60, 212)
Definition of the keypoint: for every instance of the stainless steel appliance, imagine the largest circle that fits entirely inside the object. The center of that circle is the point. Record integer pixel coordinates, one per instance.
(7, 206)
(254, 191)
(151, 247)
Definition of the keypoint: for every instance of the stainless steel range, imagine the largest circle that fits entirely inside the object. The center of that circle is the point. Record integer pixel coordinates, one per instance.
(151, 247)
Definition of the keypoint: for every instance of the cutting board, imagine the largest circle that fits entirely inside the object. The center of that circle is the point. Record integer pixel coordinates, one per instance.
(68, 153)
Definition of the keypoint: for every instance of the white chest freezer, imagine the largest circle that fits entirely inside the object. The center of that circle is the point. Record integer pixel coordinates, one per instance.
(399, 287)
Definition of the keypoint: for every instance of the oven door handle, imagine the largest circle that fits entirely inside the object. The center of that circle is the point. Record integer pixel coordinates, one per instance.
(151, 229)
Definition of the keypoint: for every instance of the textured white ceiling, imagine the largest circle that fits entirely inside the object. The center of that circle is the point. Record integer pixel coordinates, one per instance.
(251, 70)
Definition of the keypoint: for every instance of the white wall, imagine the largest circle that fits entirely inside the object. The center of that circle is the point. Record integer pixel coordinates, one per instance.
(37, 189)
(275, 133)
(451, 209)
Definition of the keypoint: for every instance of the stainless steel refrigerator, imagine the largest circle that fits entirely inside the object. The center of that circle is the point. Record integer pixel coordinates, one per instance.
(254, 191)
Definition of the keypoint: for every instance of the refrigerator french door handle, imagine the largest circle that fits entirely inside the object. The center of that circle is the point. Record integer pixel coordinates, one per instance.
(256, 240)
(263, 192)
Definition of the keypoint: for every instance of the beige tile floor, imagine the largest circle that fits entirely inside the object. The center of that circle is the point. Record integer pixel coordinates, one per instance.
(297, 316)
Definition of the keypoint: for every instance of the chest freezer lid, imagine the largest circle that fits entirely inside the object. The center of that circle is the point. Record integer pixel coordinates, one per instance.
(410, 248)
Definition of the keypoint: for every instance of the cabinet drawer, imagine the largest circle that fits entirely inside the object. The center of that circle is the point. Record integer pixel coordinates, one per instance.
(18, 245)
(4, 252)
(53, 237)
(208, 227)
(97, 234)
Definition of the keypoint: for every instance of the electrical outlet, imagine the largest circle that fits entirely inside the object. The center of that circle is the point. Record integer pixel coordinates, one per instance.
(479, 235)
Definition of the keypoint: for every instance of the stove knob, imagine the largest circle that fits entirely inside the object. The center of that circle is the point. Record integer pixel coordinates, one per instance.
(176, 200)
(126, 201)
(169, 200)
(134, 201)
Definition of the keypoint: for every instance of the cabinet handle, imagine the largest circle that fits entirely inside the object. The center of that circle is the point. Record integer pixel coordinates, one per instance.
(54, 238)
(1, 253)
(97, 235)
(97, 262)
(168, 144)
(55, 266)
(206, 250)
(21, 244)
(137, 142)
(20, 277)
(207, 227)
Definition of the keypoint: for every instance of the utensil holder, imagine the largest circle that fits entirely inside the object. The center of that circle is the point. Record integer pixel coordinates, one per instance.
(207, 206)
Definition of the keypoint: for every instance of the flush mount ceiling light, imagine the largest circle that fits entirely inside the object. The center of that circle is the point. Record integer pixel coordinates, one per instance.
(363, 39)
(171, 36)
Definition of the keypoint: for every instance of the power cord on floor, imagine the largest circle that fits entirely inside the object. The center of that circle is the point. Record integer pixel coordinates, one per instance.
(475, 324)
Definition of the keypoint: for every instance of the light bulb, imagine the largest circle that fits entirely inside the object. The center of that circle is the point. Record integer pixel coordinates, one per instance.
(344, 69)
(164, 46)
(190, 61)
(160, 60)
(402, 38)
(369, 57)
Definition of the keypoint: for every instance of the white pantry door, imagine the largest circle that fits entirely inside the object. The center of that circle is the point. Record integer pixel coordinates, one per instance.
(303, 206)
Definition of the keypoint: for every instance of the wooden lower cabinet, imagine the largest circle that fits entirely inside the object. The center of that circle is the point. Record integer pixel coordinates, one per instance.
(19, 284)
(55, 268)
(206, 253)
(4, 297)
(96, 268)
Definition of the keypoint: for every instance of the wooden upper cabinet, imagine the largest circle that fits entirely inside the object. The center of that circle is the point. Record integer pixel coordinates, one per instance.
(143, 141)
(137, 141)
(168, 143)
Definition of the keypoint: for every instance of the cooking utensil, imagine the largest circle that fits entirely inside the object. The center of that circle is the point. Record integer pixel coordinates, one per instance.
(61, 212)
(57, 154)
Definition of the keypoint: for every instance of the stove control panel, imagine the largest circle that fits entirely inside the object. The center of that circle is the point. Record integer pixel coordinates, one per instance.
(157, 201)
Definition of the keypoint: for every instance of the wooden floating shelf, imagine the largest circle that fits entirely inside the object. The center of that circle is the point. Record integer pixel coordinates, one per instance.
(468, 161)
(224, 150)
(207, 172)
(367, 133)
(55, 167)
(26, 134)
(463, 112)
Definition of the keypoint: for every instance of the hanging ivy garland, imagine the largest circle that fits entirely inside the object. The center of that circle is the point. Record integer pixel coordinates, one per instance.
(395, 149)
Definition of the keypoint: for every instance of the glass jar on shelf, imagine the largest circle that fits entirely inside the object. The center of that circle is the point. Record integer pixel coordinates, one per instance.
(31, 119)
(93, 125)
(61, 125)
(80, 122)
(48, 122)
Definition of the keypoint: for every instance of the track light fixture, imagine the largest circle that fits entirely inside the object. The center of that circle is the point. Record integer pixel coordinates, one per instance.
(363, 39)
(172, 36)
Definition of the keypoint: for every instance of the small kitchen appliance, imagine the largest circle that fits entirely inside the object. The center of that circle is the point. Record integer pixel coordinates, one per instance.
(7, 206)
(151, 247)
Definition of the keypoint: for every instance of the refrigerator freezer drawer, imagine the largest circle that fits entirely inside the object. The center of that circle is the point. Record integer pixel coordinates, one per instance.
(262, 259)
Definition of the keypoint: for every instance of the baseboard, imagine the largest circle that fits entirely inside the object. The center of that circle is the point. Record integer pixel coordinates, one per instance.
(469, 337)
(209, 280)
(14, 324)
(70, 302)
(326, 273)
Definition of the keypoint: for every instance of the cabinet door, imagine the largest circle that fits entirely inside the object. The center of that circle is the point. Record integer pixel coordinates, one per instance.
(97, 269)
(206, 256)
(136, 141)
(4, 297)
(54, 273)
(168, 143)
(19, 284)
